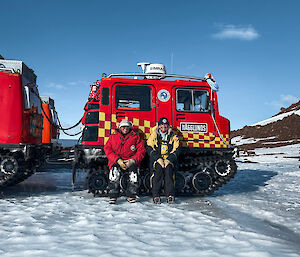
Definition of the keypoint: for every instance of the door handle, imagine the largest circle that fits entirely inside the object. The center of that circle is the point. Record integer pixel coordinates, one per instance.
(180, 116)
(120, 114)
(155, 105)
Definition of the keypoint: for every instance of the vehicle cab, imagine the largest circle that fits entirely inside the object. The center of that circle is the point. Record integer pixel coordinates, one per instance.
(189, 103)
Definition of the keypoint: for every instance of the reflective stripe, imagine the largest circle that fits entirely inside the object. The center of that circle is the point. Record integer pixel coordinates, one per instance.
(151, 180)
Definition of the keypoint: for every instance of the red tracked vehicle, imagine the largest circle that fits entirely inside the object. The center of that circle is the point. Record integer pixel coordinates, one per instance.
(191, 105)
(21, 127)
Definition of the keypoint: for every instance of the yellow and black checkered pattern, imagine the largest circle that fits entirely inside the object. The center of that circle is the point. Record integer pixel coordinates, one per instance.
(108, 124)
(203, 140)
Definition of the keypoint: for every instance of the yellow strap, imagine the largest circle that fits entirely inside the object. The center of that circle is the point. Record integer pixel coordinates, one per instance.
(164, 149)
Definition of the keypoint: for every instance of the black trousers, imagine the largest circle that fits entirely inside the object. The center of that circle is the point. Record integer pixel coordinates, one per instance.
(115, 175)
(161, 174)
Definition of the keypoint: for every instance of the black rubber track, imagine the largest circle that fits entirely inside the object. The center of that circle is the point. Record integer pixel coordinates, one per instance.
(24, 170)
(189, 166)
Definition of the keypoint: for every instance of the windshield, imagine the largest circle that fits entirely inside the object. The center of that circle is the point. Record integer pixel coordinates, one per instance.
(192, 100)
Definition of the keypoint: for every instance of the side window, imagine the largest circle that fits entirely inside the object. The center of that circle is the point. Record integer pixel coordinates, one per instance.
(105, 96)
(184, 100)
(92, 118)
(200, 100)
(90, 134)
(52, 110)
(31, 98)
(27, 97)
(135, 98)
(93, 106)
(192, 100)
(54, 116)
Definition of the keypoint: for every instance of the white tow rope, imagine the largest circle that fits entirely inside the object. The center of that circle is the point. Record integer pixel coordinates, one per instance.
(214, 87)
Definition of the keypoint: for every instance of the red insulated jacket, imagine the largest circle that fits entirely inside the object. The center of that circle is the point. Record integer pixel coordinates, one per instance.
(125, 147)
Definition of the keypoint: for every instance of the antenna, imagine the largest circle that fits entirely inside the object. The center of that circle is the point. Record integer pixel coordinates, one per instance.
(143, 65)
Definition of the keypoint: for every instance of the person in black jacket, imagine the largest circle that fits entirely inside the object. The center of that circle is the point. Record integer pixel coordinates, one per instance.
(163, 149)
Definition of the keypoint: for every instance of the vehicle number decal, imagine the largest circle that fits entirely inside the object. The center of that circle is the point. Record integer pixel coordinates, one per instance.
(193, 127)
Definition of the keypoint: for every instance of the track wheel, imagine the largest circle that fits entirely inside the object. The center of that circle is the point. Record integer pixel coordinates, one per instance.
(97, 181)
(8, 168)
(180, 182)
(222, 168)
(201, 181)
(124, 181)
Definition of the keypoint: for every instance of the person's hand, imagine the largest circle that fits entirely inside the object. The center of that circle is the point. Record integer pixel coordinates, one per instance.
(129, 162)
(167, 162)
(122, 164)
(161, 162)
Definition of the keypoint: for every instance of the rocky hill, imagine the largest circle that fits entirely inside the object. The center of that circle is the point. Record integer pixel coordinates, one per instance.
(282, 129)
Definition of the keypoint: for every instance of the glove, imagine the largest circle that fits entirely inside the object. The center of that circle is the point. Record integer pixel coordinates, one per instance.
(161, 162)
(167, 162)
(129, 162)
(122, 164)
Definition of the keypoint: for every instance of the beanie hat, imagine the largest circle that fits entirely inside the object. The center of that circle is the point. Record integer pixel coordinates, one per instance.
(125, 123)
(163, 120)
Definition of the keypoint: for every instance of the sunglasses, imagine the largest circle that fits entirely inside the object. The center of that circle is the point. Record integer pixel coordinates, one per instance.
(127, 127)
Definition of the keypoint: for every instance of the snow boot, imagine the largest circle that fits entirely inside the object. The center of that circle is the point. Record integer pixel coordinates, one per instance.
(112, 200)
(131, 199)
(170, 199)
(157, 200)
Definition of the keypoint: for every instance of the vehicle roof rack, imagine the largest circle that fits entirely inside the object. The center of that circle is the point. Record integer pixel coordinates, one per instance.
(9, 70)
(159, 76)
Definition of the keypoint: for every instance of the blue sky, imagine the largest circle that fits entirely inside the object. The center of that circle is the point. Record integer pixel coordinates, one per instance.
(251, 47)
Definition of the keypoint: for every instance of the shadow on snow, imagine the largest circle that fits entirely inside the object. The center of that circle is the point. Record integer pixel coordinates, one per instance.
(246, 181)
(46, 182)
(58, 181)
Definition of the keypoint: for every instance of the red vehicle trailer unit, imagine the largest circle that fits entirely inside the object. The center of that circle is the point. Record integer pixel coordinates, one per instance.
(11, 101)
(21, 148)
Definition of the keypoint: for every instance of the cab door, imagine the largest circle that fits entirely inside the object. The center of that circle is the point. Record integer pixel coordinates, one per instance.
(191, 117)
(136, 103)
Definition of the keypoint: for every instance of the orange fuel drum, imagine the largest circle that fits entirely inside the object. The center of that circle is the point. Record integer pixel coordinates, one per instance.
(50, 130)
(46, 136)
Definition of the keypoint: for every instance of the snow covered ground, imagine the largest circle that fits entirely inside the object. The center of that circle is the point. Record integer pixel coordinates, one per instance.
(239, 140)
(255, 214)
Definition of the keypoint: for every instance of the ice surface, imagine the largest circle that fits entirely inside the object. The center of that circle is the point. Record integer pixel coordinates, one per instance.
(255, 214)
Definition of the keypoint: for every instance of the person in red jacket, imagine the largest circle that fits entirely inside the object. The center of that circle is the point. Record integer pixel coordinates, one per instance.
(125, 151)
